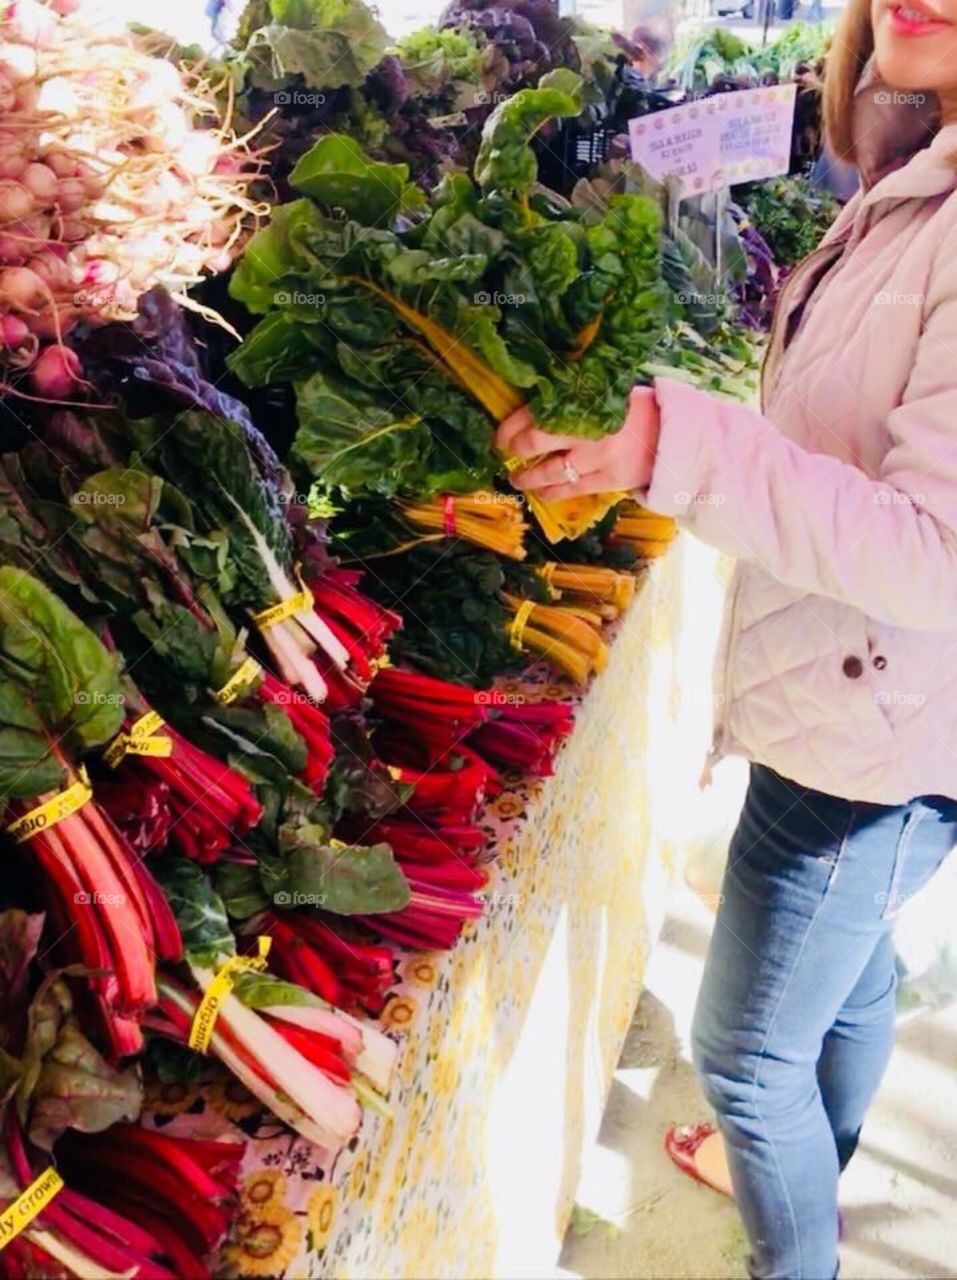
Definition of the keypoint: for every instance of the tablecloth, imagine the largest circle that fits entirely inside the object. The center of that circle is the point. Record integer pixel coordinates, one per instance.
(509, 1041)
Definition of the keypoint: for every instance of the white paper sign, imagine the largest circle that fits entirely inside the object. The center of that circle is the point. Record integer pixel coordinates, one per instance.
(714, 142)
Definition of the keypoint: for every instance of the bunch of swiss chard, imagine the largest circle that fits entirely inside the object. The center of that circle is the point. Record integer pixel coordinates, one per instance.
(119, 1199)
(409, 329)
(62, 698)
(164, 578)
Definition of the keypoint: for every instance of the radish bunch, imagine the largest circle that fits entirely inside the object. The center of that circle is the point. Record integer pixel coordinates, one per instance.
(116, 174)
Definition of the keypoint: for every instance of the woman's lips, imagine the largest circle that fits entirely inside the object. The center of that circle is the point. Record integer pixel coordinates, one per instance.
(914, 20)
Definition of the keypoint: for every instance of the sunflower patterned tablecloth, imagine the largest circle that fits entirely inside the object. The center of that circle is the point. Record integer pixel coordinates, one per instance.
(508, 1042)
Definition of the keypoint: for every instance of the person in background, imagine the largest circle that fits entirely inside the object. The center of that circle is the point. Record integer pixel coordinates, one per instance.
(651, 39)
(835, 674)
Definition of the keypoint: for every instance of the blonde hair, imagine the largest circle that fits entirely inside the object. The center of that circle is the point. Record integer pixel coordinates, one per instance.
(853, 44)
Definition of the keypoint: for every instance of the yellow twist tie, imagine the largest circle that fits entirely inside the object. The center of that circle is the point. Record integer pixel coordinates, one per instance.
(52, 811)
(204, 1019)
(17, 1216)
(519, 623)
(547, 572)
(139, 741)
(301, 602)
(239, 682)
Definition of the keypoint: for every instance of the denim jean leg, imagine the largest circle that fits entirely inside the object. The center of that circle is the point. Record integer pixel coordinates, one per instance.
(857, 1048)
(781, 963)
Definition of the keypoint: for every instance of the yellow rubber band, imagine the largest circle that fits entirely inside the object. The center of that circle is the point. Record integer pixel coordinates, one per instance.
(204, 1019)
(17, 1216)
(239, 682)
(52, 811)
(285, 609)
(519, 623)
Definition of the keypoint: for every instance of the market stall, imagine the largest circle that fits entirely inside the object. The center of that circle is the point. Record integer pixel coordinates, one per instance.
(508, 1042)
(340, 779)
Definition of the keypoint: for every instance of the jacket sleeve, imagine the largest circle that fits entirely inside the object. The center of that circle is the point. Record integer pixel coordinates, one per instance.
(887, 545)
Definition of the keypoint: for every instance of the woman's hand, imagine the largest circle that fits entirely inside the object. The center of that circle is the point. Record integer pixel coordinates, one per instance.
(568, 466)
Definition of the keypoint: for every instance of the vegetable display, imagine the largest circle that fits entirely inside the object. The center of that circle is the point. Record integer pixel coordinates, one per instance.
(262, 571)
(115, 175)
(501, 293)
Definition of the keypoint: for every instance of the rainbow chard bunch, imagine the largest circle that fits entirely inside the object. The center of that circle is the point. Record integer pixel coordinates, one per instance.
(59, 1095)
(242, 542)
(178, 1193)
(360, 624)
(322, 954)
(126, 543)
(308, 1063)
(408, 330)
(61, 699)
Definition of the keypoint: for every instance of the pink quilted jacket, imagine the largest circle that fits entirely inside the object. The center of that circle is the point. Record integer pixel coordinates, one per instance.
(838, 666)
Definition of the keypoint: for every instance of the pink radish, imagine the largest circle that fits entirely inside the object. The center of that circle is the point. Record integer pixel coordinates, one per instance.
(56, 375)
(71, 195)
(12, 251)
(22, 290)
(16, 201)
(41, 182)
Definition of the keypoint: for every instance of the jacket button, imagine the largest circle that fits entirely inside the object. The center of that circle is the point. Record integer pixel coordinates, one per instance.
(880, 662)
(852, 667)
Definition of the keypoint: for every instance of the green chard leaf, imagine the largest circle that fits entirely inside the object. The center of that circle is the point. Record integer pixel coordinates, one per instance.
(57, 684)
(337, 172)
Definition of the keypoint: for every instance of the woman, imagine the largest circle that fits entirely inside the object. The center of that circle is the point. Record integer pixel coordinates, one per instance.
(838, 671)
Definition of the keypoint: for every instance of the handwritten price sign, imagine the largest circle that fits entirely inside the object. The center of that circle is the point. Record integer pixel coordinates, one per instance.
(715, 142)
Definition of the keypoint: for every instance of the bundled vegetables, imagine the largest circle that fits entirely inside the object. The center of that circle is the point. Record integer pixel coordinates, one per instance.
(399, 323)
(644, 532)
(115, 175)
(62, 698)
(303, 1060)
(96, 1194)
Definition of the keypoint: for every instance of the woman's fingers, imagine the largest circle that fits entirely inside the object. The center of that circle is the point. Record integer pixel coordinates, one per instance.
(594, 482)
(519, 437)
(557, 468)
(511, 426)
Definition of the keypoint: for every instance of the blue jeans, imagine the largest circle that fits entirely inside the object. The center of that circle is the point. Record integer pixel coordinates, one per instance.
(795, 1019)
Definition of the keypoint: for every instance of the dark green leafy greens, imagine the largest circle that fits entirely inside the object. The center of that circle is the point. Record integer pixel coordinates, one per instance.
(60, 692)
